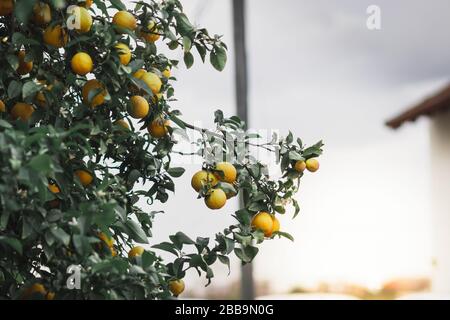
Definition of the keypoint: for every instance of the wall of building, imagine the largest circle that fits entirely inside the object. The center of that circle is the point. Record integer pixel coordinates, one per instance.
(440, 161)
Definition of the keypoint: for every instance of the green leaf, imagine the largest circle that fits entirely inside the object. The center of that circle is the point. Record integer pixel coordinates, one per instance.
(13, 243)
(176, 172)
(184, 26)
(118, 4)
(177, 120)
(5, 124)
(166, 246)
(285, 235)
(29, 90)
(23, 9)
(188, 59)
(41, 163)
(218, 58)
(187, 44)
(294, 155)
(226, 261)
(61, 235)
(137, 234)
(14, 89)
(296, 206)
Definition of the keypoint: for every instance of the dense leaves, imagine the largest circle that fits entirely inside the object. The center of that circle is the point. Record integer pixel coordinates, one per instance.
(73, 166)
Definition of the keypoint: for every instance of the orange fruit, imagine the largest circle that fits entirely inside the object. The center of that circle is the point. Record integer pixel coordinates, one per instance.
(99, 99)
(22, 111)
(6, 7)
(136, 252)
(42, 13)
(176, 287)
(263, 221)
(2, 106)
(35, 289)
(81, 18)
(107, 240)
(312, 165)
(50, 296)
(25, 67)
(166, 73)
(152, 81)
(125, 20)
(87, 4)
(201, 178)
(228, 170)
(53, 188)
(300, 166)
(85, 177)
(56, 36)
(124, 53)
(139, 107)
(158, 128)
(123, 124)
(82, 63)
(152, 34)
(216, 199)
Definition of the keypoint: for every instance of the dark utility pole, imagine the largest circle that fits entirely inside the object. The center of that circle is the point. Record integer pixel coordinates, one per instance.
(247, 287)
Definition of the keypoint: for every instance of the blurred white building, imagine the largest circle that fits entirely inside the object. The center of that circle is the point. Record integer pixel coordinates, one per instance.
(438, 108)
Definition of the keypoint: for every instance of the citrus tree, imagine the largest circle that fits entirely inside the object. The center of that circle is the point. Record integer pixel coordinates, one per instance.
(73, 163)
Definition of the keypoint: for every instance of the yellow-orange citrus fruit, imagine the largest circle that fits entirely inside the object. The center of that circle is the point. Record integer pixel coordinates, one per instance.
(138, 107)
(228, 170)
(107, 240)
(152, 32)
(136, 252)
(123, 124)
(36, 288)
(124, 53)
(201, 178)
(124, 19)
(138, 74)
(176, 287)
(166, 72)
(95, 85)
(158, 128)
(312, 165)
(82, 19)
(40, 98)
(24, 66)
(216, 199)
(56, 36)
(87, 4)
(53, 188)
(2, 106)
(263, 221)
(22, 111)
(6, 7)
(50, 296)
(152, 81)
(85, 177)
(82, 63)
(42, 13)
(300, 166)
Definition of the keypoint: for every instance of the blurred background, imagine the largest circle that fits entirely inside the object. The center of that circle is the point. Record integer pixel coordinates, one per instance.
(368, 223)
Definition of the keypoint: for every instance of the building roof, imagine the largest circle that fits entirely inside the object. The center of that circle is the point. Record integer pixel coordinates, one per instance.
(434, 104)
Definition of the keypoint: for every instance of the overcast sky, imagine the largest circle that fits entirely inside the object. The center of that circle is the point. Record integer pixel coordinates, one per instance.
(315, 68)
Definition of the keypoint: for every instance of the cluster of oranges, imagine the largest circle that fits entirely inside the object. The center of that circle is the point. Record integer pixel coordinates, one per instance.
(225, 172)
(81, 63)
(176, 286)
(215, 197)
